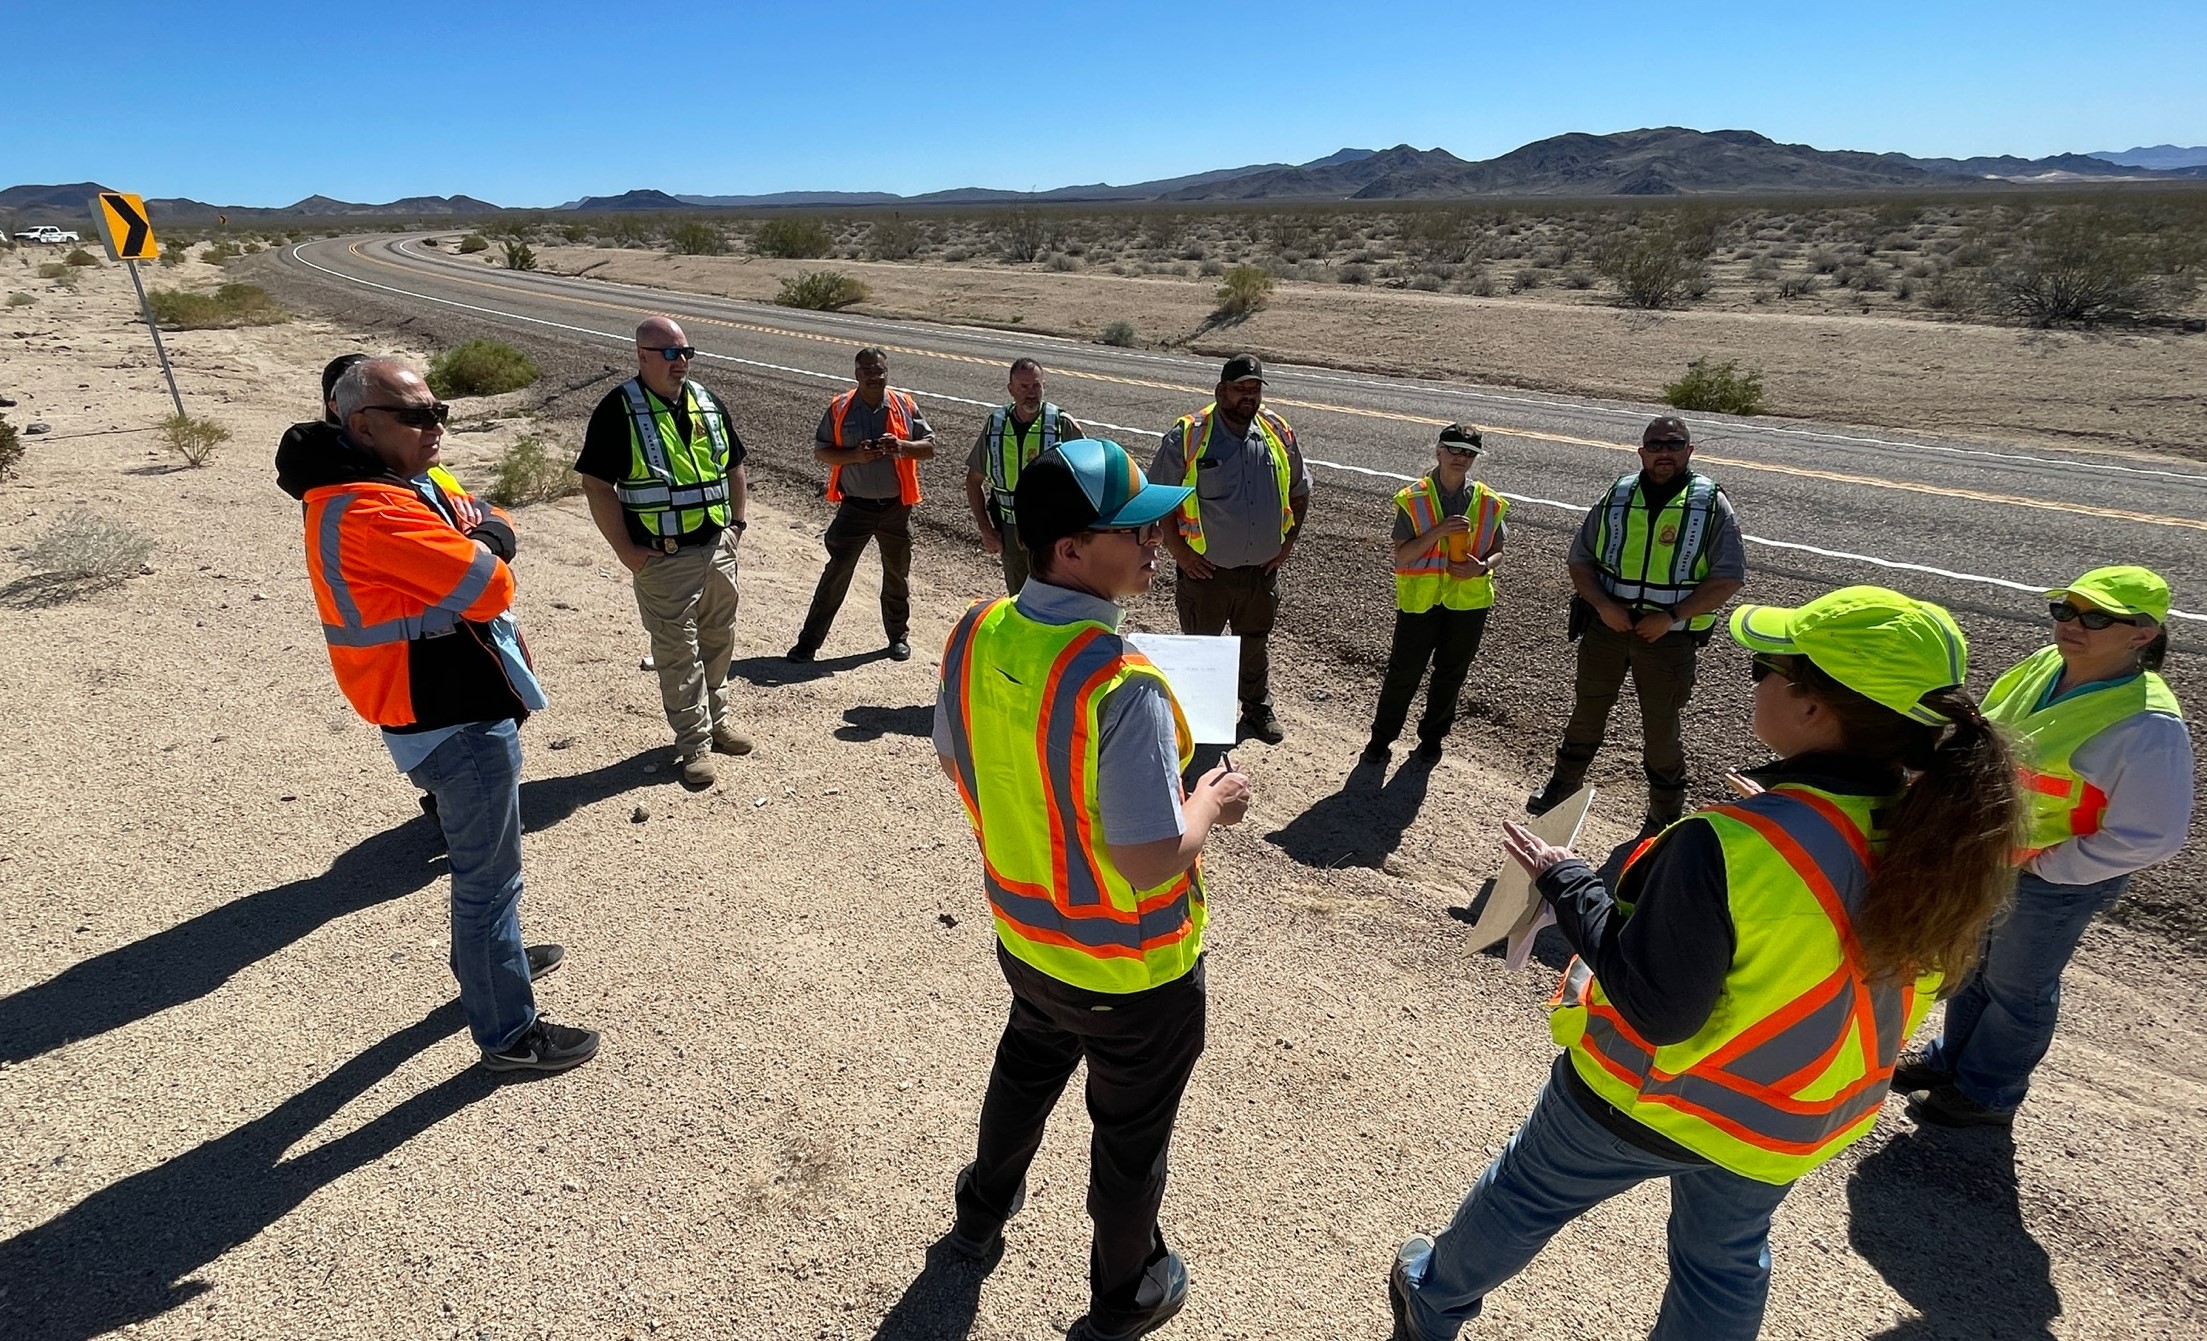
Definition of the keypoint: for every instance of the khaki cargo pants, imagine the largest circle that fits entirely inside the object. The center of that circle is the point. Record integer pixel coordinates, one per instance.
(688, 600)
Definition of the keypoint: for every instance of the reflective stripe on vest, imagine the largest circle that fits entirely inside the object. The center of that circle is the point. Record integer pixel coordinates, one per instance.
(1007, 454)
(441, 616)
(673, 487)
(1794, 1060)
(1026, 703)
(902, 411)
(1656, 560)
(1424, 581)
(2064, 805)
(1194, 437)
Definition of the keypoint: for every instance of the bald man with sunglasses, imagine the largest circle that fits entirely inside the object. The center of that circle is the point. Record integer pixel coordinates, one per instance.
(662, 470)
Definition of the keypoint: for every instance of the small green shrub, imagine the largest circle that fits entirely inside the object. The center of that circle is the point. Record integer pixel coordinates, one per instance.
(1720, 388)
(229, 306)
(56, 270)
(20, 299)
(472, 243)
(1119, 335)
(1247, 289)
(216, 253)
(480, 368)
(83, 546)
(519, 255)
(193, 439)
(1654, 267)
(530, 473)
(173, 256)
(821, 291)
(895, 238)
(792, 239)
(11, 448)
(80, 257)
(697, 238)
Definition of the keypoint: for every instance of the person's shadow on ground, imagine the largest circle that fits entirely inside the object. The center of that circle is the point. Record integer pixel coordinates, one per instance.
(765, 672)
(1362, 823)
(941, 1302)
(195, 957)
(865, 723)
(127, 1252)
(1937, 1214)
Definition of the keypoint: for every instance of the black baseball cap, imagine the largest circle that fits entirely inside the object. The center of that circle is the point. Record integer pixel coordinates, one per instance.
(1088, 484)
(1462, 435)
(336, 369)
(1241, 368)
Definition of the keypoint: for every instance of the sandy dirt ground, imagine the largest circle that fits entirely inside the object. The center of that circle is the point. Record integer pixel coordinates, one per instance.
(2118, 390)
(240, 1102)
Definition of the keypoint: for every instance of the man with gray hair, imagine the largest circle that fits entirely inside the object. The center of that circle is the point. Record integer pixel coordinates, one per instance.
(662, 470)
(417, 614)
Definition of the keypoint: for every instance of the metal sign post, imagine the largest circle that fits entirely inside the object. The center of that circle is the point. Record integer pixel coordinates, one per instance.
(128, 234)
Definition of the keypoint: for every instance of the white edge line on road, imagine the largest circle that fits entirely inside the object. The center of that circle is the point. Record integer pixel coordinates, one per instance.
(1872, 559)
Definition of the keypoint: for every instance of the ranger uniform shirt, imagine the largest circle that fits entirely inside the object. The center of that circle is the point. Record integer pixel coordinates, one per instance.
(1237, 491)
(872, 480)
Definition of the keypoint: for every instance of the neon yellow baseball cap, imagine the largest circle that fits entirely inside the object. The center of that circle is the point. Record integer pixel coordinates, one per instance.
(2125, 589)
(1889, 648)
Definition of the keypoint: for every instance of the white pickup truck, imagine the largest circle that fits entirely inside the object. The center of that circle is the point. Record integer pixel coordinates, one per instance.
(46, 233)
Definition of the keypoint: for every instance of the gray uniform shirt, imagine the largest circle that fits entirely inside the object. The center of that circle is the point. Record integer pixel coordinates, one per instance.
(1138, 758)
(1727, 555)
(871, 479)
(1235, 489)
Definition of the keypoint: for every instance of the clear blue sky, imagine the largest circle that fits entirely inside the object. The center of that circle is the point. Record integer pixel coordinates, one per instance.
(259, 104)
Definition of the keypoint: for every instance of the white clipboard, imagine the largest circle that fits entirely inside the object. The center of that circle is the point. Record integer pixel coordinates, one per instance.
(1515, 903)
(1205, 676)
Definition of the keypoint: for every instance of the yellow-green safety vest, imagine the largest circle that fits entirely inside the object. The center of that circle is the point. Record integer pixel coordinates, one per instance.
(1424, 581)
(1794, 1060)
(1007, 454)
(1194, 429)
(1648, 559)
(2047, 737)
(1026, 703)
(674, 488)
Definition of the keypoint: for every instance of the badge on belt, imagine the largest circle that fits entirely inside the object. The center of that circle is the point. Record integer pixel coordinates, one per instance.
(670, 544)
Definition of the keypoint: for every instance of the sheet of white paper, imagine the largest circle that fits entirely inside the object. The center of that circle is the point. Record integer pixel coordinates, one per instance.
(1514, 902)
(1205, 675)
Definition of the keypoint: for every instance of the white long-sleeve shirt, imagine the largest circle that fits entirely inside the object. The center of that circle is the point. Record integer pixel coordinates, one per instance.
(2144, 765)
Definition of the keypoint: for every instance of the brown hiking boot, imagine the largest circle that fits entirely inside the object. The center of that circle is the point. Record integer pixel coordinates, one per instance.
(697, 771)
(728, 740)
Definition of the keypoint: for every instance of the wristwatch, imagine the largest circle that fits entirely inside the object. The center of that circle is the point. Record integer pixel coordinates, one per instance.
(739, 523)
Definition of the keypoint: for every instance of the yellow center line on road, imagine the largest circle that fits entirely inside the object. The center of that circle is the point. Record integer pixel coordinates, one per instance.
(1766, 467)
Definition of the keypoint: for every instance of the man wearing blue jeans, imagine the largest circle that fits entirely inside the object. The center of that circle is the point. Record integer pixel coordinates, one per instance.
(416, 614)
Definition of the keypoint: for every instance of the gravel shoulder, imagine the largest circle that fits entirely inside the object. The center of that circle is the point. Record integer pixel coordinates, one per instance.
(241, 1103)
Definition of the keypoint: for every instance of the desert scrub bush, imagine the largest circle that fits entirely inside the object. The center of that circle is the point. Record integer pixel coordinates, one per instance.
(1719, 388)
(83, 545)
(1578, 277)
(472, 243)
(792, 239)
(821, 291)
(1355, 273)
(1247, 289)
(1651, 267)
(59, 273)
(1524, 280)
(1480, 285)
(530, 473)
(216, 253)
(11, 446)
(20, 299)
(895, 238)
(2076, 268)
(229, 306)
(1059, 261)
(480, 368)
(574, 233)
(1798, 286)
(519, 255)
(1025, 234)
(697, 238)
(1119, 335)
(173, 256)
(80, 257)
(196, 440)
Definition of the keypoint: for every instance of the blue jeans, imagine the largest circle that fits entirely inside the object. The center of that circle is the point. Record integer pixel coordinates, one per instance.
(2000, 1025)
(476, 778)
(1560, 1164)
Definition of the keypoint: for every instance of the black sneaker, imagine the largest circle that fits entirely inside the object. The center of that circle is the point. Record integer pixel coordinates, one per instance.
(973, 1240)
(1176, 1298)
(1548, 798)
(543, 959)
(1946, 1106)
(1914, 1072)
(1376, 753)
(799, 653)
(900, 650)
(544, 1047)
(1262, 724)
(1398, 1286)
(1429, 751)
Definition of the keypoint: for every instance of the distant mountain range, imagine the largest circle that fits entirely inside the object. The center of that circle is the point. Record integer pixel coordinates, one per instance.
(1669, 161)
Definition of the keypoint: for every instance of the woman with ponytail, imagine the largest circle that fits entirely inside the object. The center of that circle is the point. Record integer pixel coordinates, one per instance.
(1757, 969)
(2107, 769)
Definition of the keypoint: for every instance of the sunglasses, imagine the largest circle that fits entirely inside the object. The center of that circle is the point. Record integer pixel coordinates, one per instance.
(416, 416)
(1465, 452)
(1761, 667)
(1144, 535)
(2063, 612)
(672, 353)
(1665, 445)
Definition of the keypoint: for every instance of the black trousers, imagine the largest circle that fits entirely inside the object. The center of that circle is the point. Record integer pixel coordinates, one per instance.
(886, 522)
(1663, 676)
(1448, 640)
(1140, 1047)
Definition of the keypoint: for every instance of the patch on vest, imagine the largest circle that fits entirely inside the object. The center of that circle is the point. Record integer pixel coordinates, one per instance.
(1667, 536)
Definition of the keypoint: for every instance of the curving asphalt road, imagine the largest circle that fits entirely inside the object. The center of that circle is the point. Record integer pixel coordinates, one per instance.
(1952, 520)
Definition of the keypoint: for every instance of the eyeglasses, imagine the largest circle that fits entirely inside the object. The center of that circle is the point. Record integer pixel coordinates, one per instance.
(2063, 612)
(416, 416)
(1144, 535)
(1760, 667)
(672, 353)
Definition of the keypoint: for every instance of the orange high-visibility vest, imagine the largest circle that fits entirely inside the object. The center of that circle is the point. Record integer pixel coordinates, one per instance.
(902, 411)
